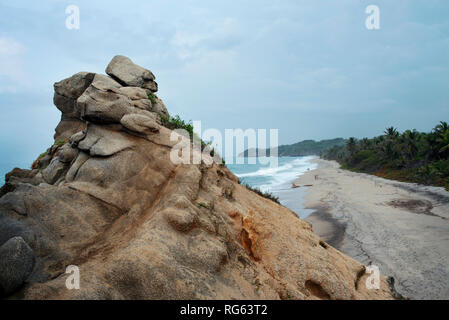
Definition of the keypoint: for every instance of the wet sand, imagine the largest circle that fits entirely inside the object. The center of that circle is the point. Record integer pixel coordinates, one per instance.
(403, 228)
(330, 230)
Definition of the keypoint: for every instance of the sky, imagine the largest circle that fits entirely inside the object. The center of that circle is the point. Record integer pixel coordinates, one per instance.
(308, 68)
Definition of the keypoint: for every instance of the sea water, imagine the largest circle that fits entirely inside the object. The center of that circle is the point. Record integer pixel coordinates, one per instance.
(278, 180)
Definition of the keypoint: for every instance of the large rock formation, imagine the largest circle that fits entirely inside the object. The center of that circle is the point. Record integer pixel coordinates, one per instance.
(106, 198)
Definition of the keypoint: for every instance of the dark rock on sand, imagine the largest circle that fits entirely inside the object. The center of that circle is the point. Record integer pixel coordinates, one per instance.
(16, 264)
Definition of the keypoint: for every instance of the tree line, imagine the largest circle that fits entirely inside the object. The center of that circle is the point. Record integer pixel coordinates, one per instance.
(408, 156)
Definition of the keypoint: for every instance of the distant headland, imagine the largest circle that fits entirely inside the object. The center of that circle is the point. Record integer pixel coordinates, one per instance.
(299, 149)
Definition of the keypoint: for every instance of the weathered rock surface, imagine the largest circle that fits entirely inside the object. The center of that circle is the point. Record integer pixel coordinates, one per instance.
(68, 90)
(102, 141)
(109, 200)
(159, 107)
(16, 264)
(140, 123)
(54, 170)
(130, 74)
(65, 98)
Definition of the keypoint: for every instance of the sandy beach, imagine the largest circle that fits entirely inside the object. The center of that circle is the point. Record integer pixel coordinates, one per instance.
(403, 228)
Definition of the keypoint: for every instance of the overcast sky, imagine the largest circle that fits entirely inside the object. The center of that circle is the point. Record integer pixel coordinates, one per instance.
(309, 68)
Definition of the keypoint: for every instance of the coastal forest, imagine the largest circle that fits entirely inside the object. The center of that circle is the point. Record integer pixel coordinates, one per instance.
(410, 156)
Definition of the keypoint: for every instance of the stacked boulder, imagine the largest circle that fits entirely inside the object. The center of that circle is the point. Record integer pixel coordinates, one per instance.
(96, 111)
(106, 99)
(86, 99)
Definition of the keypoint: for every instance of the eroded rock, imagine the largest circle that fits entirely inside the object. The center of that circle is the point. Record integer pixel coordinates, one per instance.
(68, 90)
(54, 171)
(181, 220)
(134, 93)
(160, 108)
(67, 153)
(16, 264)
(76, 138)
(130, 74)
(67, 127)
(100, 141)
(14, 202)
(140, 123)
(100, 104)
(10, 228)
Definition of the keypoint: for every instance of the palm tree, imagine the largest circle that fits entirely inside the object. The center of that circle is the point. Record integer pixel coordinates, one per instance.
(443, 139)
(411, 138)
(432, 146)
(378, 140)
(365, 143)
(442, 127)
(388, 149)
(351, 145)
(391, 133)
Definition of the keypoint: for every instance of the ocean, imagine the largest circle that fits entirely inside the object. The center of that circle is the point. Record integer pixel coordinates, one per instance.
(278, 180)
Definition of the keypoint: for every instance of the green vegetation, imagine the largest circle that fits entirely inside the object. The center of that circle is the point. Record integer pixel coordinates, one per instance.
(177, 123)
(152, 97)
(35, 163)
(303, 148)
(203, 205)
(409, 156)
(60, 142)
(266, 195)
(43, 154)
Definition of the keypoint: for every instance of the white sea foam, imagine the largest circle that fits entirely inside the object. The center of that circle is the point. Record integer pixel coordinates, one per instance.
(278, 180)
(273, 179)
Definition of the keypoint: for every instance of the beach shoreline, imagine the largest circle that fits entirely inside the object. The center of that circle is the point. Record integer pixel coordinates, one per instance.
(400, 227)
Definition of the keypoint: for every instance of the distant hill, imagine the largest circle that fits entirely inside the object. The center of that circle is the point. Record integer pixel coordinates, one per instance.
(303, 148)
